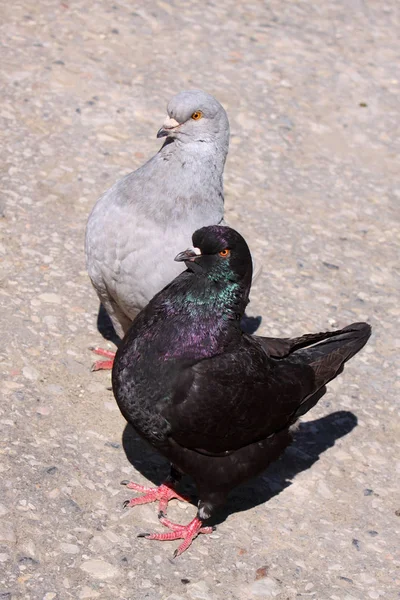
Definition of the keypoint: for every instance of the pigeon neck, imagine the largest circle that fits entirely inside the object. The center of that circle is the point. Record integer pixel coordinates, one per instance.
(211, 153)
(204, 315)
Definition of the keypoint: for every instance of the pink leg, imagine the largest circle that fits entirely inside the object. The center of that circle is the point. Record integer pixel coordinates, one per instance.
(186, 532)
(101, 365)
(164, 493)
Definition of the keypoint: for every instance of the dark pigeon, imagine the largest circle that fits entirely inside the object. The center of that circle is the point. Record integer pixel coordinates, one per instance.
(217, 402)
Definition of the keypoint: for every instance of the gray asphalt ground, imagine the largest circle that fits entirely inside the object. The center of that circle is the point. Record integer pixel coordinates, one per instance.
(312, 93)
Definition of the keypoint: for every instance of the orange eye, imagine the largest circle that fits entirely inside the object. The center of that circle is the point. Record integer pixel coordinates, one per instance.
(197, 115)
(225, 253)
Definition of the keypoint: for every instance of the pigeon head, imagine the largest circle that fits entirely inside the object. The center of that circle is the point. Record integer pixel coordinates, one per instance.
(220, 253)
(195, 116)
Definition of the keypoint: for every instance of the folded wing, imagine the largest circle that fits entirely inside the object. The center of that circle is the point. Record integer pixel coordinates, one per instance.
(243, 396)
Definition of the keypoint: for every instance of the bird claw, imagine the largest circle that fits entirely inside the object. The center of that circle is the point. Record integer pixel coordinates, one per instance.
(102, 365)
(186, 532)
(102, 352)
(164, 493)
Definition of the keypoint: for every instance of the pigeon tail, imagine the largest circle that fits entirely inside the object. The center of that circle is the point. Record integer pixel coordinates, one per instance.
(328, 357)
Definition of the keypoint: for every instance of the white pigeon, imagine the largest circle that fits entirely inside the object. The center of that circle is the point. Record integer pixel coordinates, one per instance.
(141, 223)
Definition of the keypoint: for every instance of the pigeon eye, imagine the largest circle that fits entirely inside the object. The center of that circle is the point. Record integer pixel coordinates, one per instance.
(225, 253)
(197, 115)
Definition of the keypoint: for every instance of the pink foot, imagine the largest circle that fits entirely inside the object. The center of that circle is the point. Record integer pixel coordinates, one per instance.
(101, 365)
(186, 532)
(164, 493)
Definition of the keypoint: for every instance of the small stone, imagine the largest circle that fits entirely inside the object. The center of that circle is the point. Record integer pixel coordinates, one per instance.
(356, 543)
(49, 596)
(28, 561)
(50, 298)
(27, 547)
(100, 569)
(88, 592)
(54, 493)
(110, 535)
(146, 584)
(69, 548)
(324, 491)
(7, 533)
(265, 588)
(4, 557)
(30, 373)
(12, 385)
(43, 410)
(100, 543)
(57, 390)
(3, 510)
(198, 591)
(329, 265)
(113, 444)
(261, 572)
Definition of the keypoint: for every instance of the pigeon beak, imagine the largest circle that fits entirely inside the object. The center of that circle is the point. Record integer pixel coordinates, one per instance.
(189, 254)
(169, 125)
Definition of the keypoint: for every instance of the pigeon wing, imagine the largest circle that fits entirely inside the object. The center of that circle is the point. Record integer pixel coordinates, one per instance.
(234, 399)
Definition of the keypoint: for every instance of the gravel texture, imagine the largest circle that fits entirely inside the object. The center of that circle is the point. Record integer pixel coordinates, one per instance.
(312, 93)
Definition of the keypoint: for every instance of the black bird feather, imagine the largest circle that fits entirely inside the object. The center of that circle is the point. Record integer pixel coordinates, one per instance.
(219, 403)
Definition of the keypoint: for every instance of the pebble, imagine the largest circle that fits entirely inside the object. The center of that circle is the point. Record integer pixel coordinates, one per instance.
(7, 533)
(324, 490)
(87, 592)
(43, 410)
(50, 298)
(69, 548)
(198, 591)
(265, 588)
(27, 547)
(30, 373)
(99, 569)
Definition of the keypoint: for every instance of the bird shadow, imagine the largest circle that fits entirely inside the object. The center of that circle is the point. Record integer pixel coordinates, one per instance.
(311, 439)
(105, 326)
(250, 324)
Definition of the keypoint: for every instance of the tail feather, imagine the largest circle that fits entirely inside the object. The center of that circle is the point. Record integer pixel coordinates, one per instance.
(282, 347)
(328, 357)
